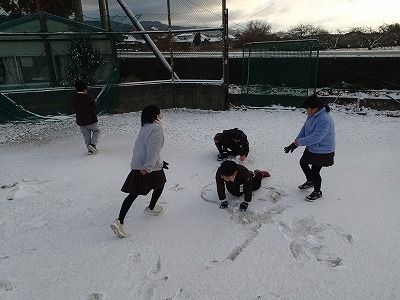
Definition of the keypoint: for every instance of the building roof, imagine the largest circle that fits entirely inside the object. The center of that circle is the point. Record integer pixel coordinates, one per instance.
(31, 24)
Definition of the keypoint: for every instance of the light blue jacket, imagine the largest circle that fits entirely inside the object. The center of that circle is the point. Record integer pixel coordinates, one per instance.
(318, 133)
(147, 150)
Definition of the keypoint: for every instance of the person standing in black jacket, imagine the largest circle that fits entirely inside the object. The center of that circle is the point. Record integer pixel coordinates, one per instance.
(86, 117)
(232, 142)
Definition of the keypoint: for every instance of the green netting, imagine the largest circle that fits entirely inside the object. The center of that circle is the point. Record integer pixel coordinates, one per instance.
(41, 57)
(51, 103)
(107, 98)
(11, 111)
(281, 73)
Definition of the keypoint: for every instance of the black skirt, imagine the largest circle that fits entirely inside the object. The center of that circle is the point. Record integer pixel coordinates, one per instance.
(139, 184)
(316, 159)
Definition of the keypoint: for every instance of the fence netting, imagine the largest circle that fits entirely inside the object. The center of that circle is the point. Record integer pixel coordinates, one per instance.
(279, 73)
(46, 45)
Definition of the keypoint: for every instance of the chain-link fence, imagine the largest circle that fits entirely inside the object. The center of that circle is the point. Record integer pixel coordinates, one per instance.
(51, 43)
(169, 31)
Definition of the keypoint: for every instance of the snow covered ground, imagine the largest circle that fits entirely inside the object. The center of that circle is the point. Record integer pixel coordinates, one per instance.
(57, 204)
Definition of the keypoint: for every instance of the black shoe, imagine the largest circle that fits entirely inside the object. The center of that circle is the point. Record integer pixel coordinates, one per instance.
(224, 204)
(243, 206)
(222, 156)
(306, 185)
(314, 196)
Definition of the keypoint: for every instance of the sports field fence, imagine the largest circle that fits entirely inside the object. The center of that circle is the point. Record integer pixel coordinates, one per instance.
(48, 45)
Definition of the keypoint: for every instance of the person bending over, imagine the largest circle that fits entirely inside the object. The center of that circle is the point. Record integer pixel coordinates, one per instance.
(238, 180)
(232, 142)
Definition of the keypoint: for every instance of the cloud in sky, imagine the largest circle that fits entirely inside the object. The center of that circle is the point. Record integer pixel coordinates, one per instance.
(281, 14)
(331, 15)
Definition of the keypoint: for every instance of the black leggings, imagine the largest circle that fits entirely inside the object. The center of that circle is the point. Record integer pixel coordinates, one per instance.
(312, 174)
(126, 205)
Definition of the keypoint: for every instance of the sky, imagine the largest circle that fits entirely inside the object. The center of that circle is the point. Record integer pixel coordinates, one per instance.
(281, 14)
(57, 204)
(330, 14)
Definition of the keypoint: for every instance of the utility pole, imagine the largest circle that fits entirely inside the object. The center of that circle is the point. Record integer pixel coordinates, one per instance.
(46, 45)
(225, 54)
(103, 15)
(171, 51)
(78, 10)
(146, 37)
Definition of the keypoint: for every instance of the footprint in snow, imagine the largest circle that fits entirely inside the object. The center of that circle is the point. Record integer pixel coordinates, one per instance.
(6, 285)
(22, 191)
(307, 240)
(144, 290)
(95, 296)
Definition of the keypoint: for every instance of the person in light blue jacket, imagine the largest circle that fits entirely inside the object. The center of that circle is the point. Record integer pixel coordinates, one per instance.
(318, 136)
(146, 168)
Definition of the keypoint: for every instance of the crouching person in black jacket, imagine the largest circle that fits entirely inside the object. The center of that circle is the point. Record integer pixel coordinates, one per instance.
(238, 181)
(232, 142)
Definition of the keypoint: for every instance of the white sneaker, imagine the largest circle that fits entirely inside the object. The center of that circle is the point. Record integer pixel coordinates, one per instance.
(118, 229)
(155, 211)
(92, 149)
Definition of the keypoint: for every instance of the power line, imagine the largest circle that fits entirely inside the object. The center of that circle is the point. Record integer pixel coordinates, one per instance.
(273, 4)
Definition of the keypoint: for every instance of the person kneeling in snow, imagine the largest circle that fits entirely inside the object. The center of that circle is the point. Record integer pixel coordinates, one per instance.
(232, 142)
(238, 181)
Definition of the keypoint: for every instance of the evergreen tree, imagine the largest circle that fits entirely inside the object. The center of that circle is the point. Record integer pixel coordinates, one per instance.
(84, 60)
(197, 39)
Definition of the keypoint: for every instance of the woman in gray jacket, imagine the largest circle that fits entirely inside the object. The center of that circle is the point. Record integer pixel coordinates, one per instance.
(146, 168)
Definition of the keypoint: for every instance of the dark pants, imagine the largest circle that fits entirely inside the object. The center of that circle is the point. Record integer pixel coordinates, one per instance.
(219, 147)
(312, 174)
(256, 184)
(126, 205)
(223, 150)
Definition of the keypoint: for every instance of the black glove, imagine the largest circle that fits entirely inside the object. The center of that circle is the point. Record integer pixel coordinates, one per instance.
(243, 206)
(224, 204)
(290, 148)
(165, 165)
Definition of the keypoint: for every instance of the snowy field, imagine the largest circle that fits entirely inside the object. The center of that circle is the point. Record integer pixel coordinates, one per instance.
(57, 204)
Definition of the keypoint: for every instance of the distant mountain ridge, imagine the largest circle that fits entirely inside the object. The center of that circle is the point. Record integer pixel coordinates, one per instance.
(147, 25)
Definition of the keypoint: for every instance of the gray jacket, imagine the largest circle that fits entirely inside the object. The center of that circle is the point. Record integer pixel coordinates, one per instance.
(147, 150)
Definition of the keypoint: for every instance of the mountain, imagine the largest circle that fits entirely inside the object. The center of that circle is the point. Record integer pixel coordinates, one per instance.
(147, 25)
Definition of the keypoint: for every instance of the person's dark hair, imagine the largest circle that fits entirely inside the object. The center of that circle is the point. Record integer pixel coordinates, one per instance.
(228, 167)
(237, 134)
(80, 85)
(149, 114)
(313, 102)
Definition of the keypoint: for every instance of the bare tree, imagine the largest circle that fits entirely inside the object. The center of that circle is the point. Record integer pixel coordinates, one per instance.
(334, 39)
(256, 31)
(356, 37)
(368, 37)
(307, 31)
(392, 34)
(372, 37)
